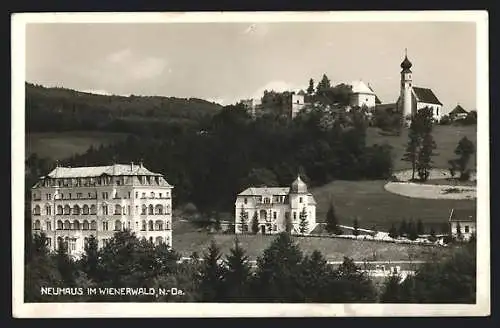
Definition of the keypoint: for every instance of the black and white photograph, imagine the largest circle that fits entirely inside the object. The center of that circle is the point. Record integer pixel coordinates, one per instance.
(250, 164)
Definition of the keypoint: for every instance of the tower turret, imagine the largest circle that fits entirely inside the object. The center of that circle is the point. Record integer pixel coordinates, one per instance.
(406, 90)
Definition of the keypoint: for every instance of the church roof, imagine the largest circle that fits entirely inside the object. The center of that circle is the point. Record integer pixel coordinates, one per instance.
(406, 64)
(462, 215)
(95, 171)
(426, 95)
(458, 110)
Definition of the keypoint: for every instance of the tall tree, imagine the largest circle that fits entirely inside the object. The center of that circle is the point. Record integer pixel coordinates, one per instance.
(353, 285)
(412, 148)
(412, 230)
(323, 84)
(89, 261)
(236, 277)
(310, 88)
(316, 276)
(393, 232)
(278, 272)
(355, 225)
(288, 223)
(420, 227)
(465, 149)
(403, 228)
(391, 292)
(332, 225)
(255, 223)
(425, 154)
(243, 219)
(304, 223)
(211, 274)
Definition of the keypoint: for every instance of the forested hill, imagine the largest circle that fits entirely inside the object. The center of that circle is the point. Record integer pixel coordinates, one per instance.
(60, 109)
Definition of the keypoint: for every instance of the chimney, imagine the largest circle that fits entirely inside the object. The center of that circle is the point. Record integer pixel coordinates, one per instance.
(140, 164)
(131, 166)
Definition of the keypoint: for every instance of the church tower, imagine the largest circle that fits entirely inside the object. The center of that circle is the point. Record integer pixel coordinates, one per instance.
(406, 90)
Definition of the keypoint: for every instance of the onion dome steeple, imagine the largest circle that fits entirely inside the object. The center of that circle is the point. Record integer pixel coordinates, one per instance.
(298, 186)
(406, 64)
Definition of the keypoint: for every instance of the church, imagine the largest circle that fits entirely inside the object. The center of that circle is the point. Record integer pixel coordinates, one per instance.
(413, 98)
(273, 207)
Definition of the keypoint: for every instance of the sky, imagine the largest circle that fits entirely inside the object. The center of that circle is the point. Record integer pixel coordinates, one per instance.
(226, 62)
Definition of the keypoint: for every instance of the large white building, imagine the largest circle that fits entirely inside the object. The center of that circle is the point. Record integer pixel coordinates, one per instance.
(362, 95)
(273, 206)
(71, 204)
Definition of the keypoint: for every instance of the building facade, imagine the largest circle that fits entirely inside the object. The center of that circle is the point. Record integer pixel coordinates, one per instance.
(412, 98)
(463, 221)
(71, 204)
(458, 113)
(362, 95)
(273, 206)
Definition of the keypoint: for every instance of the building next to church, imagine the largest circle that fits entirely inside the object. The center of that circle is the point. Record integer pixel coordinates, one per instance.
(273, 207)
(362, 95)
(412, 98)
(70, 204)
(458, 113)
(464, 221)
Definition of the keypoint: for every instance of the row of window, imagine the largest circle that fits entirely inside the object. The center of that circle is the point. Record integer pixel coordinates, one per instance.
(275, 200)
(263, 215)
(92, 210)
(105, 195)
(157, 225)
(70, 243)
(246, 227)
(101, 181)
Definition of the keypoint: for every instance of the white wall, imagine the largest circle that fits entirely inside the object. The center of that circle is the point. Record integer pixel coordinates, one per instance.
(463, 227)
(360, 99)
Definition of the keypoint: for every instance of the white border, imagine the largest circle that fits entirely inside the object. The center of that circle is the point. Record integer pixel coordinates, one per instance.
(74, 310)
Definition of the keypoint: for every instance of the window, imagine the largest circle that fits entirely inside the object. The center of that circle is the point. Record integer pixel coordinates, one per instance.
(150, 209)
(437, 111)
(104, 195)
(67, 210)
(160, 195)
(93, 225)
(143, 228)
(143, 195)
(36, 210)
(159, 209)
(118, 209)
(167, 194)
(467, 229)
(128, 225)
(37, 225)
(90, 195)
(274, 215)
(59, 209)
(49, 196)
(85, 210)
(128, 210)
(49, 242)
(59, 225)
(105, 209)
(67, 225)
(275, 227)
(136, 195)
(79, 195)
(294, 216)
(48, 210)
(245, 200)
(300, 199)
(105, 226)
(150, 225)
(76, 210)
(144, 209)
(152, 195)
(93, 209)
(86, 225)
(159, 226)
(129, 194)
(118, 225)
(48, 225)
(76, 225)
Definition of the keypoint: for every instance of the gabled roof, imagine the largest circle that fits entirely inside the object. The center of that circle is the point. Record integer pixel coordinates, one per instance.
(361, 87)
(458, 110)
(95, 171)
(462, 215)
(425, 95)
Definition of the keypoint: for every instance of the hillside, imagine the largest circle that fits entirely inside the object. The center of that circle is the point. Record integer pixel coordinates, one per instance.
(61, 109)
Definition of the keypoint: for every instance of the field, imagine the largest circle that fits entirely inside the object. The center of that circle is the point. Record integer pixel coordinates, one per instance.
(446, 137)
(333, 249)
(373, 205)
(65, 144)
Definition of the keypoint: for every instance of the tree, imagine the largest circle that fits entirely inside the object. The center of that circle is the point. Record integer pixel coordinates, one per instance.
(332, 225)
(411, 151)
(420, 227)
(465, 149)
(65, 263)
(393, 232)
(236, 277)
(278, 275)
(288, 223)
(403, 228)
(217, 225)
(211, 275)
(90, 259)
(255, 223)
(356, 227)
(392, 292)
(304, 223)
(243, 219)
(316, 278)
(424, 156)
(412, 231)
(432, 237)
(310, 88)
(323, 85)
(353, 285)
